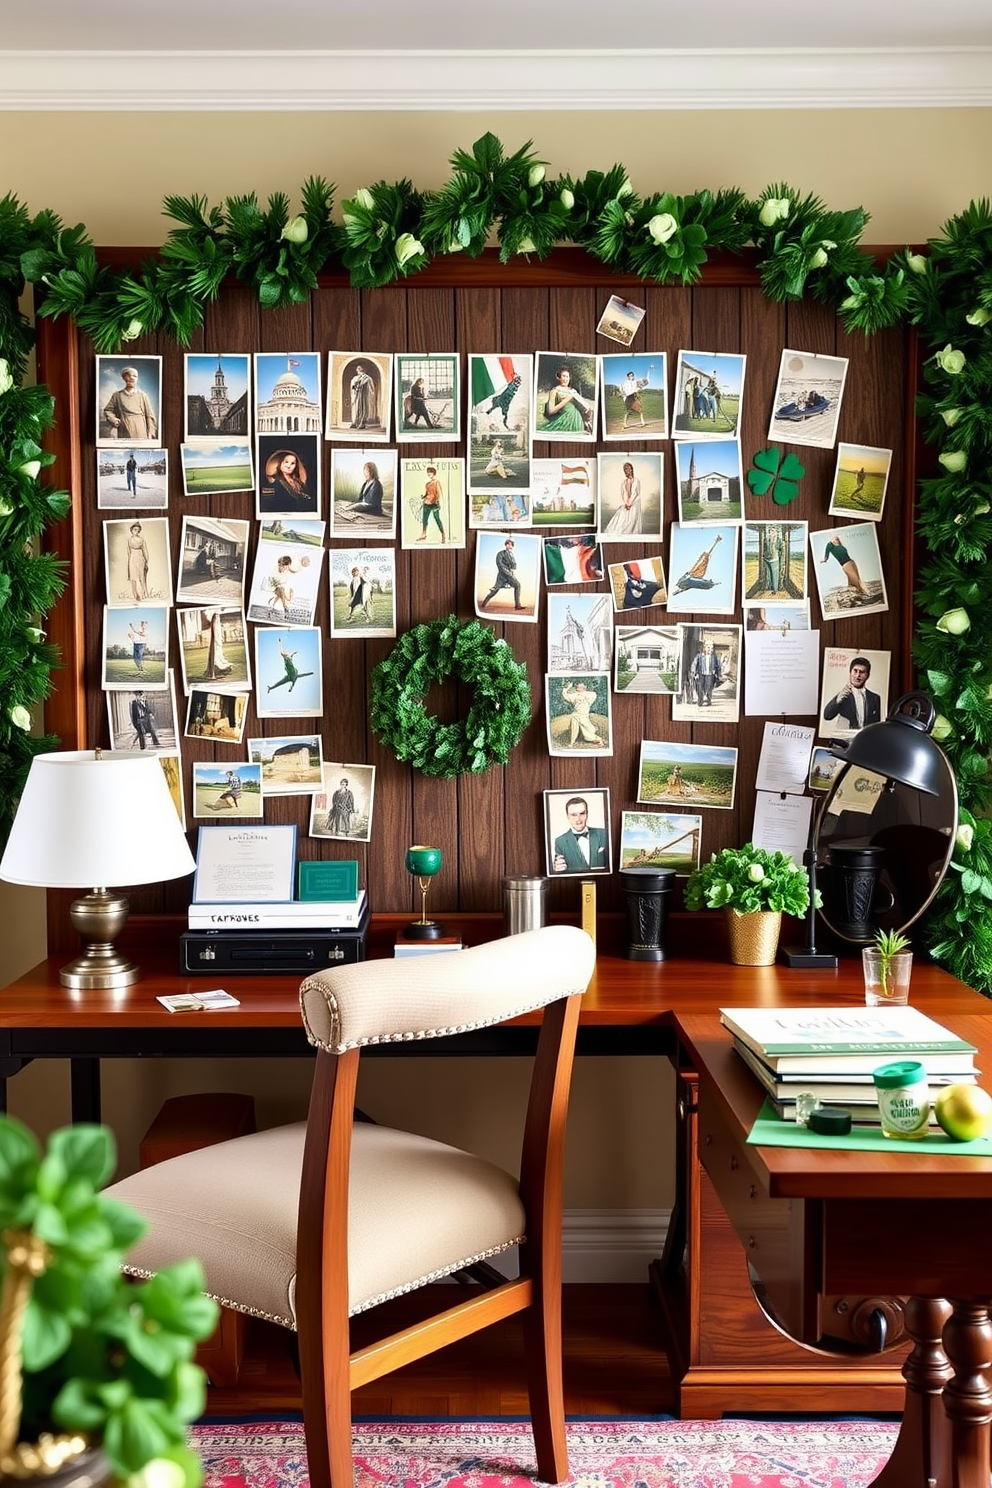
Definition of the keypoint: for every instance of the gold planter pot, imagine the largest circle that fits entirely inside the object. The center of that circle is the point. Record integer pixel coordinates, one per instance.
(754, 936)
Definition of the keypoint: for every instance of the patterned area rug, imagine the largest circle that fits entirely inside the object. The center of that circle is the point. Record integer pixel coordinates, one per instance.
(603, 1454)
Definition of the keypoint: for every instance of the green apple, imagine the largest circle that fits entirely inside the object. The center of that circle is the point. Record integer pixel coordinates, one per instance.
(964, 1111)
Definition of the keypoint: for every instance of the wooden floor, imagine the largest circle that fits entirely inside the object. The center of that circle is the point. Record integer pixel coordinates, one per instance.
(613, 1366)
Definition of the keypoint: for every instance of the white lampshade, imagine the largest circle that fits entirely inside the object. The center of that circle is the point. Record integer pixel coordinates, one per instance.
(88, 819)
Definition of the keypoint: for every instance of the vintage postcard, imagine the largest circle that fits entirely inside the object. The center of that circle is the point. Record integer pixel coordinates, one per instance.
(631, 504)
(232, 790)
(499, 424)
(710, 675)
(428, 397)
(144, 720)
(129, 479)
(573, 560)
(213, 467)
(580, 632)
(363, 592)
(854, 691)
(782, 618)
(703, 569)
(773, 559)
(848, 568)
(577, 838)
(217, 716)
(137, 561)
(808, 396)
(212, 561)
(638, 584)
(287, 392)
(563, 492)
(288, 475)
(507, 576)
(291, 765)
(648, 658)
(129, 401)
(173, 772)
(658, 839)
(620, 320)
(709, 395)
(579, 717)
(497, 509)
(363, 493)
(213, 648)
(217, 391)
(135, 648)
(566, 394)
(288, 673)
(709, 481)
(432, 502)
(860, 481)
(695, 775)
(634, 395)
(286, 577)
(359, 396)
(343, 809)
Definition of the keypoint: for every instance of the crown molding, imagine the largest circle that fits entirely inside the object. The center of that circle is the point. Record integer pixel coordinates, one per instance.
(469, 81)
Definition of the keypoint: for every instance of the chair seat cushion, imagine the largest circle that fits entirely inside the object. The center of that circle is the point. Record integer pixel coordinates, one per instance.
(419, 1210)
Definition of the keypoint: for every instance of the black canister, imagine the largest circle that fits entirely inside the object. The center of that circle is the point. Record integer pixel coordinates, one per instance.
(648, 892)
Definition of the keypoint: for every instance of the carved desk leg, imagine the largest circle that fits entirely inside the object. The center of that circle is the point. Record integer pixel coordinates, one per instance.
(968, 1395)
(921, 1455)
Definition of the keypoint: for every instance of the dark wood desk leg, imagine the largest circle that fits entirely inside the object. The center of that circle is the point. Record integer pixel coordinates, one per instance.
(921, 1455)
(968, 1394)
(8, 1067)
(84, 1086)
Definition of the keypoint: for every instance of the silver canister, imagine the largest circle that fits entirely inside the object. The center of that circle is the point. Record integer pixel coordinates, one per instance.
(525, 900)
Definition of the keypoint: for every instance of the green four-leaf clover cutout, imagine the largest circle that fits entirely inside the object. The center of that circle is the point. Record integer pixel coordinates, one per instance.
(782, 480)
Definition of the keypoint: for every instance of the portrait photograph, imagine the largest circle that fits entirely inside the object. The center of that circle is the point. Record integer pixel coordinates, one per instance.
(773, 563)
(214, 467)
(288, 468)
(709, 675)
(291, 765)
(213, 648)
(343, 809)
(709, 395)
(703, 569)
(217, 391)
(807, 400)
(563, 492)
(695, 775)
(144, 720)
(363, 493)
(363, 592)
(860, 481)
(507, 576)
(638, 584)
(634, 395)
(135, 648)
(428, 398)
(572, 560)
(137, 561)
(212, 561)
(287, 393)
(709, 482)
(499, 424)
(848, 568)
(630, 496)
(288, 673)
(578, 714)
(580, 632)
(566, 395)
(620, 320)
(285, 581)
(132, 479)
(854, 690)
(657, 839)
(233, 790)
(432, 502)
(648, 658)
(217, 716)
(359, 396)
(129, 401)
(577, 832)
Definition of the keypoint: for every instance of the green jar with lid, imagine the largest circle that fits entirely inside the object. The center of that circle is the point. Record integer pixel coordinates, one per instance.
(903, 1098)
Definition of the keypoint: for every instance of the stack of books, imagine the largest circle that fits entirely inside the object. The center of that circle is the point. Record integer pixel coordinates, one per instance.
(830, 1053)
(296, 914)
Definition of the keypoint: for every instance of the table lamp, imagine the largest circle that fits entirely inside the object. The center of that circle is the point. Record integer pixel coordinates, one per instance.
(86, 817)
(423, 863)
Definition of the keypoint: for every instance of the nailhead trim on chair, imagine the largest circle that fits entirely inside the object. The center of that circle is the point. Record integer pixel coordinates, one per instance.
(314, 984)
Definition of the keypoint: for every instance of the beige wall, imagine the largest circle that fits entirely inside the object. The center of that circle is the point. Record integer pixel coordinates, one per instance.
(910, 170)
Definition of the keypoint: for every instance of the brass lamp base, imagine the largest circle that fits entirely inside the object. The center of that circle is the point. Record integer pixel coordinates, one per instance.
(99, 918)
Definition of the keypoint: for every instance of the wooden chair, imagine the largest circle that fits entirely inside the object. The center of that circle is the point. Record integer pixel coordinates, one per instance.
(308, 1224)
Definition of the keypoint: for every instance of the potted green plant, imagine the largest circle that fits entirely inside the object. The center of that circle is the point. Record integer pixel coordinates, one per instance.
(755, 887)
(91, 1362)
(888, 965)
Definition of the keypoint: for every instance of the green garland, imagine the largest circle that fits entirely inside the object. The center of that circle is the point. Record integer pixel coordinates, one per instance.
(431, 653)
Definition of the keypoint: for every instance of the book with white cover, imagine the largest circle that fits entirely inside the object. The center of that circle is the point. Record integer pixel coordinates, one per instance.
(845, 1040)
(297, 914)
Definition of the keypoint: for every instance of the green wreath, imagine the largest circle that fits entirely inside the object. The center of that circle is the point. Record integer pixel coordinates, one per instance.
(500, 709)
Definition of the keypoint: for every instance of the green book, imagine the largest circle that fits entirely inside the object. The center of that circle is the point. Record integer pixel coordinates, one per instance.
(335, 881)
(846, 1040)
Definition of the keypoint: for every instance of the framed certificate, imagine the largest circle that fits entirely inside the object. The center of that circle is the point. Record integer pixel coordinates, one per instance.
(245, 864)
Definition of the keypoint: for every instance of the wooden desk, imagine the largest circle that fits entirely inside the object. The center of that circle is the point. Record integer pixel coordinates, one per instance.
(816, 1222)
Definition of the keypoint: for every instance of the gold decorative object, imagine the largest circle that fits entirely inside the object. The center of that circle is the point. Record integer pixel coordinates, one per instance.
(754, 936)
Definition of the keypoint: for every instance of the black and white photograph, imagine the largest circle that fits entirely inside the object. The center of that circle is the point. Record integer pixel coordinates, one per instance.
(144, 720)
(580, 632)
(137, 561)
(212, 561)
(807, 401)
